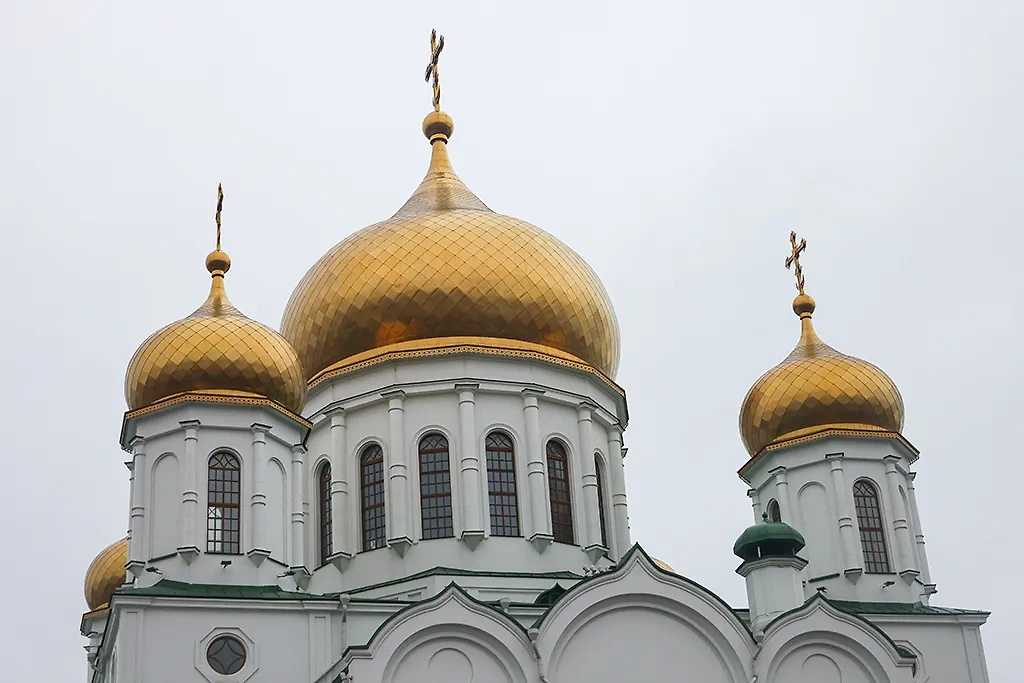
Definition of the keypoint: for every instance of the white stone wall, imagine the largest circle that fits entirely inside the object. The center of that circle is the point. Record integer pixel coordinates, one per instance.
(813, 485)
(367, 407)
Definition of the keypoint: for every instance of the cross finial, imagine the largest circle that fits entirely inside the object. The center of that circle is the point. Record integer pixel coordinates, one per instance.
(220, 205)
(794, 259)
(436, 45)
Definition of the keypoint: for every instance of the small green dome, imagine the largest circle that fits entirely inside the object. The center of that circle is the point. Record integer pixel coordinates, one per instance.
(768, 539)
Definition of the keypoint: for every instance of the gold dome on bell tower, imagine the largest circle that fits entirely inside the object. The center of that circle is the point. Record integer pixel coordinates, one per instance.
(816, 389)
(216, 351)
(446, 269)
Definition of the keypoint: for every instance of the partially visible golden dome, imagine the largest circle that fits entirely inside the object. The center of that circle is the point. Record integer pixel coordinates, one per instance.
(215, 350)
(106, 574)
(817, 388)
(663, 565)
(445, 265)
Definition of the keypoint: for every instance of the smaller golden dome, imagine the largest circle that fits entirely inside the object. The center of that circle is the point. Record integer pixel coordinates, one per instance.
(106, 574)
(216, 350)
(817, 388)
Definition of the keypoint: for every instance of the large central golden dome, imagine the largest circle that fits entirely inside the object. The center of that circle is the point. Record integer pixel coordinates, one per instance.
(446, 266)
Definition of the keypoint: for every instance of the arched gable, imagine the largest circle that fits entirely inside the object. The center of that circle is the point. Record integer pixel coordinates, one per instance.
(448, 636)
(652, 619)
(818, 640)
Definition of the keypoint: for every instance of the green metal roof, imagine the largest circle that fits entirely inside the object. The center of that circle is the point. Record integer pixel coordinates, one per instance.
(768, 539)
(899, 608)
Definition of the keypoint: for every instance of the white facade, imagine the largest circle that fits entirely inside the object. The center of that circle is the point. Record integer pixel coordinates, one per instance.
(479, 607)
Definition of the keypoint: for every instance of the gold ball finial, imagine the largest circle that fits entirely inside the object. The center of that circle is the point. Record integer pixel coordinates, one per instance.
(438, 126)
(218, 262)
(803, 306)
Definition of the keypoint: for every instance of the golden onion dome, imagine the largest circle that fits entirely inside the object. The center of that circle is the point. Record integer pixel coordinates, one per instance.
(216, 351)
(662, 565)
(446, 266)
(106, 574)
(817, 388)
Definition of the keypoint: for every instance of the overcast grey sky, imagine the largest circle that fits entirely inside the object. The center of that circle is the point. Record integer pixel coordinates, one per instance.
(674, 145)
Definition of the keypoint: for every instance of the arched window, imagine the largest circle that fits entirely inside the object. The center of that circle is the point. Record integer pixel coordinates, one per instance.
(371, 468)
(435, 487)
(774, 513)
(223, 504)
(600, 498)
(501, 485)
(872, 534)
(324, 508)
(558, 491)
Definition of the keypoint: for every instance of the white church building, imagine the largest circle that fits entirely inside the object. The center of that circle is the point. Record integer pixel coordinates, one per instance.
(421, 479)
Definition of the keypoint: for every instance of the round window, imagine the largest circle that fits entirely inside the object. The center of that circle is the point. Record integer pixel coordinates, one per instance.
(226, 655)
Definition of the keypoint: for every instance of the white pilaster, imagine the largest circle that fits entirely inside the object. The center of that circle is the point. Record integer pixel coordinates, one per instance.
(854, 559)
(258, 498)
(617, 477)
(591, 521)
(398, 474)
(340, 544)
(901, 530)
(189, 548)
(755, 503)
(298, 559)
(774, 586)
(472, 490)
(137, 521)
(782, 493)
(922, 555)
(536, 481)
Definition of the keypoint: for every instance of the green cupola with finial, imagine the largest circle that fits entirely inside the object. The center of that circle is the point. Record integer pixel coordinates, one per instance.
(768, 539)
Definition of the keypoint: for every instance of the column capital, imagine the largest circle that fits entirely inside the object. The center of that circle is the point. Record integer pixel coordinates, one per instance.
(585, 411)
(259, 430)
(190, 427)
(615, 432)
(393, 394)
(753, 494)
(138, 445)
(333, 410)
(536, 392)
(466, 386)
(833, 457)
(298, 451)
(337, 417)
(779, 473)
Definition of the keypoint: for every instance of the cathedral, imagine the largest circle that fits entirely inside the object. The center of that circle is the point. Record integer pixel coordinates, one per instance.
(421, 478)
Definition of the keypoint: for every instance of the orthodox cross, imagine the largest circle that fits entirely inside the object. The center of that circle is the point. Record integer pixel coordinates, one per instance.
(220, 205)
(436, 45)
(794, 258)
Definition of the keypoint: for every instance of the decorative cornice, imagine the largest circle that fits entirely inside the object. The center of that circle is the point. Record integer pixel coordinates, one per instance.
(823, 433)
(446, 346)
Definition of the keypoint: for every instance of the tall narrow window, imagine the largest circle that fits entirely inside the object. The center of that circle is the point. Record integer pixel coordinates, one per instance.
(774, 514)
(223, 509)
(324, 506)
(371, 467)
(600, 499)
(501, 485)
(558, 491)
(435, 487)
(872, 535)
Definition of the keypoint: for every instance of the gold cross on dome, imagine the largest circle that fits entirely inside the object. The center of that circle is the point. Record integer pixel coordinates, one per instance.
(436, 45)
(794, 259)
(220, 205)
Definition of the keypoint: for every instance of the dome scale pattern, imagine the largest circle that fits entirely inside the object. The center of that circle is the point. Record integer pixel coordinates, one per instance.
(816, 388)
(215, 350)
(106, 574)
(443, 266)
